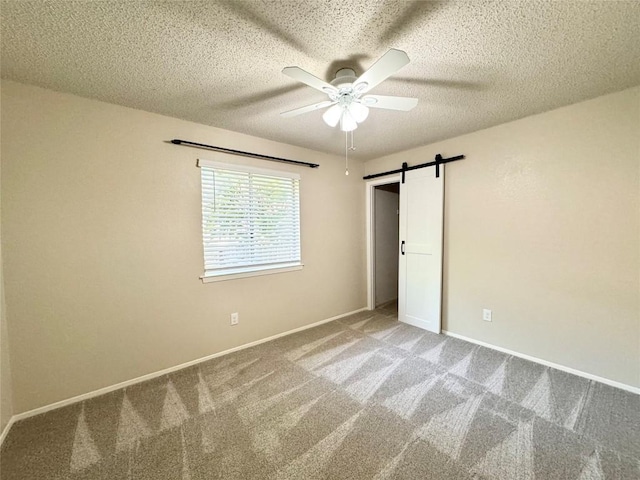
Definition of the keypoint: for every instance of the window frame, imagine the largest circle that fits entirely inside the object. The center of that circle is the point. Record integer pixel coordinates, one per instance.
(231, 273)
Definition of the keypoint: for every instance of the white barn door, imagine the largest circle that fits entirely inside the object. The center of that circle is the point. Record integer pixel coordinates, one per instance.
(420, 262)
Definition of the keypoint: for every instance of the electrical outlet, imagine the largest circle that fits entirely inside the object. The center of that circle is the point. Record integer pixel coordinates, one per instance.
(235, 318)
(486, 315)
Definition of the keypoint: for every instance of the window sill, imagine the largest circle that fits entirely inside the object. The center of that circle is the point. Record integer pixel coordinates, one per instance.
(249, 272)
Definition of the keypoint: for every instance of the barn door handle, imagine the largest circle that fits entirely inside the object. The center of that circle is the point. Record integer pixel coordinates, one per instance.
(402, 247)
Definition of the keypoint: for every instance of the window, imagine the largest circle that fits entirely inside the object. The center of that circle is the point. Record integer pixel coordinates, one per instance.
(250, 221)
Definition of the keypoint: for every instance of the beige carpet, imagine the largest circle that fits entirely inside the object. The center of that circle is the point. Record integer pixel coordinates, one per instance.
(361, 398)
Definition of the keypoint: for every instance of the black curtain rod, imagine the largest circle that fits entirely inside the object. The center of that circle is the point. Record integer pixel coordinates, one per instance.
(438, 161)
(230, 151)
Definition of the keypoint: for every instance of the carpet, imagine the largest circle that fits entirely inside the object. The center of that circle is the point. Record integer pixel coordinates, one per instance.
(363, 397)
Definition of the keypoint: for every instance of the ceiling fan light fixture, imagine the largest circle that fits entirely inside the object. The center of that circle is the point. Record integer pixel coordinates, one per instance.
(347, 122)
(359, 112)
(332, 116)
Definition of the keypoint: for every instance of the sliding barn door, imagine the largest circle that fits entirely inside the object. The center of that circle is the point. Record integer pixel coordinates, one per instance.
(420, 264)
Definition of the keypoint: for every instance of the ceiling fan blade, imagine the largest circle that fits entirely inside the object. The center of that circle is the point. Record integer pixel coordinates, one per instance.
(385, 66)
(305, 77)
(390, 103)
(308, 108)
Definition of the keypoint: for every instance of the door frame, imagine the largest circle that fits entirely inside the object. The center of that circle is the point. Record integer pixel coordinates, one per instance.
(370, 218)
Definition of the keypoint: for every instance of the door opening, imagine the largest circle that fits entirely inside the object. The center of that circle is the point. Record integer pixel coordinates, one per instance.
(383, 199)
(386, 207)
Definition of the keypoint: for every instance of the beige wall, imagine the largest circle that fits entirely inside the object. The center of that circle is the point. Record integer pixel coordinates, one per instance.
(102, 246)
(6, 405)
(542, 226)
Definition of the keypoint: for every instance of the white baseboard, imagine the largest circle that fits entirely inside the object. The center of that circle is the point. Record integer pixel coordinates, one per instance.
(149, 376)
(7, 427)
(606, 381)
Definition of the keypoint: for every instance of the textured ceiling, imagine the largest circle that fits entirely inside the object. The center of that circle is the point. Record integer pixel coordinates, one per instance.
(473, 64)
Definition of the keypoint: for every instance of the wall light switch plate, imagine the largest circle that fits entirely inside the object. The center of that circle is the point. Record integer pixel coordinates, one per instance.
(486, 315)
(235, 318)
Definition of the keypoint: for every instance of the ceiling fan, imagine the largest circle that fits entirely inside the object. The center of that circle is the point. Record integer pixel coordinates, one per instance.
(347, 93)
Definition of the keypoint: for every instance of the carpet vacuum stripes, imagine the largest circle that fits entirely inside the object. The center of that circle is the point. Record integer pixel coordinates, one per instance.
(364, 397)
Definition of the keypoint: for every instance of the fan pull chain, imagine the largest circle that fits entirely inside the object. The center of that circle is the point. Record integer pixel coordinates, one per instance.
(346, 153)
(346, 150)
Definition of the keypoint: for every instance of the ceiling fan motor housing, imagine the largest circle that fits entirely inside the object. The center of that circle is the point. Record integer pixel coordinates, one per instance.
(344, 77)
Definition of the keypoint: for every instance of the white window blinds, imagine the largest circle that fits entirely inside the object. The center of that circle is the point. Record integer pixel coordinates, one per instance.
(250, 219)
